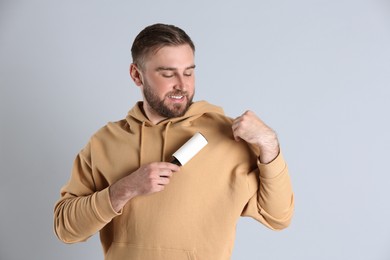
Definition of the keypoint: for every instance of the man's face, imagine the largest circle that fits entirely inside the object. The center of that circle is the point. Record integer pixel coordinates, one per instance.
(168, 82)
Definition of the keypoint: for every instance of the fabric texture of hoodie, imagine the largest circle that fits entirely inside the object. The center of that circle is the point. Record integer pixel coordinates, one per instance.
(195, 216)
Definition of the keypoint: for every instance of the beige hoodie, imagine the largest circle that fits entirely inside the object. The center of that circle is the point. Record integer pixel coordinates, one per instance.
(196, 215)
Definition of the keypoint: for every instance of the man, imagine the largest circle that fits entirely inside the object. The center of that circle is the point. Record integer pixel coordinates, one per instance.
(123, 185)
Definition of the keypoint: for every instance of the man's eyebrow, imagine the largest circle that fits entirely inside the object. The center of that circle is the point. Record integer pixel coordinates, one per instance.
(174, 69)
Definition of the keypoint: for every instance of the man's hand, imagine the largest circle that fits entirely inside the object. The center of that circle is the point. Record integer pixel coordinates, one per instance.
(251, 129)
(147, 179)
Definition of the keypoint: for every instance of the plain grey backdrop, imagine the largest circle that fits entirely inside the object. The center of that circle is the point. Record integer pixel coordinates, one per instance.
(318, 72)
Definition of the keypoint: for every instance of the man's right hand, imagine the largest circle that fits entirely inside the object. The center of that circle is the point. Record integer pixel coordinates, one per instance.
(148, 179)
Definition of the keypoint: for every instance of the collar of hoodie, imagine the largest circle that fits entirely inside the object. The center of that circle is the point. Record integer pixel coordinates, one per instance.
(136, 119)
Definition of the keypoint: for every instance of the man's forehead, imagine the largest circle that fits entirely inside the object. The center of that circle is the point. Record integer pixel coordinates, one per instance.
(170, 58)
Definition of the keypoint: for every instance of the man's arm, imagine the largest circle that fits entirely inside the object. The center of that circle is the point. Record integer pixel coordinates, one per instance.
(254, 131)
(273, 203)
(82, 210)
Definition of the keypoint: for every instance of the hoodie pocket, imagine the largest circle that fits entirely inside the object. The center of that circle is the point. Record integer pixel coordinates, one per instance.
(138, 252)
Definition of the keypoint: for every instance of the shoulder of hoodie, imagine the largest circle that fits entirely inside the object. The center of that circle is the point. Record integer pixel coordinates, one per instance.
(215, 112)
(105, 134)
(111, 130)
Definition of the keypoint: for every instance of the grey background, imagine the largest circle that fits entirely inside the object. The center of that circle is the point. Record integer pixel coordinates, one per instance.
(316, 71)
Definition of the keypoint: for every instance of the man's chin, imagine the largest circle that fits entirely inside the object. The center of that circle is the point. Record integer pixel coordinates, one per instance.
(178, 110)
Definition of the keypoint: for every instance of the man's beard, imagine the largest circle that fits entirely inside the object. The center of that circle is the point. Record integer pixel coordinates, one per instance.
(161, 108)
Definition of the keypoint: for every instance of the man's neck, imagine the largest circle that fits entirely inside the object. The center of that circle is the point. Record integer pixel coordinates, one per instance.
(151, 115)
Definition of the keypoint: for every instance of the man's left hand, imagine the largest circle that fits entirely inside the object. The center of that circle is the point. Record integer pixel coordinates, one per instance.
(251, 129)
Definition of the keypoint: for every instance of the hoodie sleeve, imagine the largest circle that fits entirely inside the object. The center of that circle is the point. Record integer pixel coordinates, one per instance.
(81, 211)
(272, 200)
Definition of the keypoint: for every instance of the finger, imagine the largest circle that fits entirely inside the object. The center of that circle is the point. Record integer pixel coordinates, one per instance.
(234, 130)
(237, 120)
(235, 125)
(159, 187)
(244, 115)
(163, 181)
(168, 166)
(237, 128)
(165, 173)
(236, 134)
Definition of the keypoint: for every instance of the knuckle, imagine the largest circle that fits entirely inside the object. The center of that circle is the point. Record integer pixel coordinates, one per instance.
(148, 168)
(152, 165)
(150, 179)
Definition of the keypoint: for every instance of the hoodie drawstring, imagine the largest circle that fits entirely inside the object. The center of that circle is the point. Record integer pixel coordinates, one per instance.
(141, 145)
(143, 125)
(165, 140)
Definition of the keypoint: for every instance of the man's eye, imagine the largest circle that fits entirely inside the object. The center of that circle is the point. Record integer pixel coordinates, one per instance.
(188, 73)
(167, 75)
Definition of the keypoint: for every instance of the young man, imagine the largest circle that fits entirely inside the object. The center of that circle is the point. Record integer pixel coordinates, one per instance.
(123, 185)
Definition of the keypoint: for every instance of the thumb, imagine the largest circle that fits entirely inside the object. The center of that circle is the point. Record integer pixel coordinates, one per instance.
(235, 136)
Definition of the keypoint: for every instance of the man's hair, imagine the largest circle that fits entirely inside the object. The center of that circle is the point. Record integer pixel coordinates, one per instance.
(156, 36)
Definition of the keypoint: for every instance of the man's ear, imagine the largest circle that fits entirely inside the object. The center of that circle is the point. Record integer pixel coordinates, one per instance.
(136, 75)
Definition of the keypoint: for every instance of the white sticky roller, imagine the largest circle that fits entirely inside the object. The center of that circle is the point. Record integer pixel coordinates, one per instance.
(189, 149)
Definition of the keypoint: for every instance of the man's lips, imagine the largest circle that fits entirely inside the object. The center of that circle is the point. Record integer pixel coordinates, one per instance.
(177, 96)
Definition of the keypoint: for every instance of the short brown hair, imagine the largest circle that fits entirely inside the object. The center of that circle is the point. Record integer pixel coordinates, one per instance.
(156, 36)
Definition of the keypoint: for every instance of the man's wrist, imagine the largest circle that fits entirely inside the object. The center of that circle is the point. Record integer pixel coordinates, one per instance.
(119, 195)
(269, 151)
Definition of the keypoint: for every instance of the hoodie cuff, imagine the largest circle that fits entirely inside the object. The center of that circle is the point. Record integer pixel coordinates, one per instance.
(272, 169)
(103, 207)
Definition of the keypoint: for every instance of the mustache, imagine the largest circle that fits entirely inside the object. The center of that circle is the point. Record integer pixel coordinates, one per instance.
(177, 93)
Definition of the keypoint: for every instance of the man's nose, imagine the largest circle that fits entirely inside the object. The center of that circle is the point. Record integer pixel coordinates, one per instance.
(180, 83)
